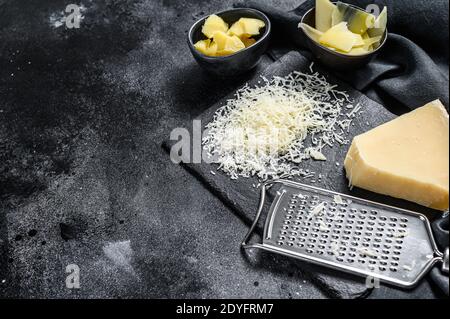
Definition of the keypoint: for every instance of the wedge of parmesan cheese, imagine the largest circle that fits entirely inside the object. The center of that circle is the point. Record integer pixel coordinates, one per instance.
(406, 158)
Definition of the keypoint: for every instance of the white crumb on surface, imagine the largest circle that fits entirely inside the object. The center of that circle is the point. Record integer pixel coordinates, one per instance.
(338, 200)
(316, 210)
(401, 234)
(367, 252)
(318, 156)
(410, 267)
(323, 227)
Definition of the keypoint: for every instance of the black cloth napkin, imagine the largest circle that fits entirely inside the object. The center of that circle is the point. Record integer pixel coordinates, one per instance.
(410, 71)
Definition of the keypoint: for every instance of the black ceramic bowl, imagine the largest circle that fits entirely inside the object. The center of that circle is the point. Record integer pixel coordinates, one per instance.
(239, 62)
(333, 59)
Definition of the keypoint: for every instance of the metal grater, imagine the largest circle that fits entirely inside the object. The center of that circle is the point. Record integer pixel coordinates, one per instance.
(359, 236)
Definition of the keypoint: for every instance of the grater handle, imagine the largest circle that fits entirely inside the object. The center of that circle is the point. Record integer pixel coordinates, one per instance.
(440, 232)
(445, 262)
(262, 199)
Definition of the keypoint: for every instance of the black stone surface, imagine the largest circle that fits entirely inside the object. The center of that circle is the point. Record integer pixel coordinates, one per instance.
(83, 179)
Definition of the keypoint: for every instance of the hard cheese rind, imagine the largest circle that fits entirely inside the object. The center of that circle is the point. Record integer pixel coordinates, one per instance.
(406, 158)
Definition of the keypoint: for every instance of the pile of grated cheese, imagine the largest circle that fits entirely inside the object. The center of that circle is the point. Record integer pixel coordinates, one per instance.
(267, 130)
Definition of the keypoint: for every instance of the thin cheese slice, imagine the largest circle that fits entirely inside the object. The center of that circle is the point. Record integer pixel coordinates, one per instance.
(359, 40)
(358, 51)
(369, 42)
(324, 11)
(358, 21)
(311, 32)
(340, 38)
(379, 25)
(406, 158)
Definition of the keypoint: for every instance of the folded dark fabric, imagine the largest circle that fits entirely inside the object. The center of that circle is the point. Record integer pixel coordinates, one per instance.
(412, 68)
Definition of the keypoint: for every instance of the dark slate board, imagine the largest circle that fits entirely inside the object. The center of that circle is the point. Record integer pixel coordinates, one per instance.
(242, 197)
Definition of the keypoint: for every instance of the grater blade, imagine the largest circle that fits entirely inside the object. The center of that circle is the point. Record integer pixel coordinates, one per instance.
(353, 235)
